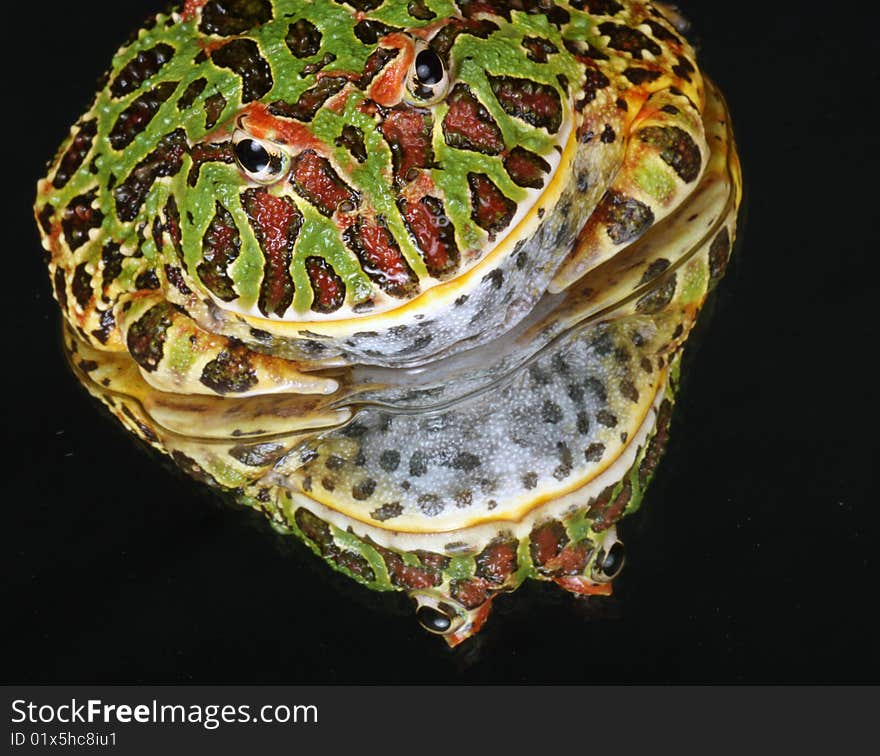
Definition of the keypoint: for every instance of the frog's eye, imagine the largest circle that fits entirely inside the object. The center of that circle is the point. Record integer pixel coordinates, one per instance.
(259, 160)
(436, 616)
(609, 563)
(428, 80)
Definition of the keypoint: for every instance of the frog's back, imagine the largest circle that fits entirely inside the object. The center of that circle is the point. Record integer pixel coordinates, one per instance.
(392, 220)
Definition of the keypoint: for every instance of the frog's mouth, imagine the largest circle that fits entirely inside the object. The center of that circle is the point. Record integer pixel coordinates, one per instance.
(370, 199)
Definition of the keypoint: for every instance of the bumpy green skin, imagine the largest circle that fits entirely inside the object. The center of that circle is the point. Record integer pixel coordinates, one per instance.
(399, 230)
(388, 200)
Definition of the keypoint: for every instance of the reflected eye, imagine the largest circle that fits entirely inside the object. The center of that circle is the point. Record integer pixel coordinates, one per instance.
(436, 616)
(428, 80)
(609, 563)
(260, 161)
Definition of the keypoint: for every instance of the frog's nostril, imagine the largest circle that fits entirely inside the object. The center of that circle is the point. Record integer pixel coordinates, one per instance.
(433, 620)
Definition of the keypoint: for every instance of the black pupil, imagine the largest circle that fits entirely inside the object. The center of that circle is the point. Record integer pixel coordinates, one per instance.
(429, 67)
(433, 620)
(613, 560)
(252, 156)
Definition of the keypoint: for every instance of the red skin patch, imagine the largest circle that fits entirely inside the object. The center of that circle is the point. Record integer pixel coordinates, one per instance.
(476, 624)
(497, 561)
(571, 560)
(327, 286)
(263, 125)
(463, 118)
(423, 224)
(316, 179)
(471, 593)
(547, 541)
(383, 255)
(191, 9)
(542, 104)
(491, 209)
(407, 130)
(387, 88)
(274, 217)
(526, 168)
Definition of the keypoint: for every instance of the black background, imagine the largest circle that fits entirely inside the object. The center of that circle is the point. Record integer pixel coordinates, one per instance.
(749, 562)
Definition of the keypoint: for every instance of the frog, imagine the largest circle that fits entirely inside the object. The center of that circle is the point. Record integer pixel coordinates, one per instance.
(410, 277)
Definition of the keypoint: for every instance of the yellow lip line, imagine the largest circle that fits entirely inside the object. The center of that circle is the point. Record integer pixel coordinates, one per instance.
(447, 290)
(524, 509)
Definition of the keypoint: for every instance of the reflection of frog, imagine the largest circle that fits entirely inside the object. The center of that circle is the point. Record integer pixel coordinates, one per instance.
(268, 193)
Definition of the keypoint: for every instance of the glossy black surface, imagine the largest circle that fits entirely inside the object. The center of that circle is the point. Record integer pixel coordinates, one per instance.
(753, 555)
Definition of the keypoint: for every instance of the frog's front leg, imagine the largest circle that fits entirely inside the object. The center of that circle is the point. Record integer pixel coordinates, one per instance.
(176, 355)
(665, 156)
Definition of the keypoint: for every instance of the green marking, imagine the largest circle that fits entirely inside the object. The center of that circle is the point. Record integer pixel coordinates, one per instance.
(655, 181)
(460, 568)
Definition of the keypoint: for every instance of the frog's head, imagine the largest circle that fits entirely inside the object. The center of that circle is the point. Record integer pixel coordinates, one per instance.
(336, 160)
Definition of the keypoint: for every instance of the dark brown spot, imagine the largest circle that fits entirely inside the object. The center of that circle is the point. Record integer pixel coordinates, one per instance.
(107, 325)
(74, 155)
(539, 48)
(628, 389)
(677, 149)
(146, 336)
(303, 38)
(137, 116)
(143, 66)
(81, 286)
(256, 455)
(534, 103)
(719, 253)
(228, 17)
(242, 56)
(641, 75)
(629, 40)
(526, 168)
(625, 218)
(419, 9)
(192, 91)
(657, 299)
(214, 106)
(165, 160)
(352, 139)
(594, 80)
(364, 489)
(147, 281)
(78, 218)
(231, 372)
(594, 452)
(370, 31)
(605, 511)
(387, 511)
